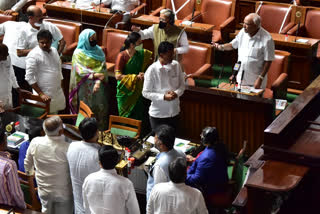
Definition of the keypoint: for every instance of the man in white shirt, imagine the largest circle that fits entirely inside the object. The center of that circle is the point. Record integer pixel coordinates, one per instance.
(255, 52)
(83, 159)
(48, 155)
(7, 80)
(166, 30)
(44, 74)
(106, 192)
(175, 196)
(164, 142)
(119, 5)
(163, 85)
(27, 39)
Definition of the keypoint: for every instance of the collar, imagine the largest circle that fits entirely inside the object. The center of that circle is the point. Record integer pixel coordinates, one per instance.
(95, 145)
(176, 184)
(108, 171)
(56, 138)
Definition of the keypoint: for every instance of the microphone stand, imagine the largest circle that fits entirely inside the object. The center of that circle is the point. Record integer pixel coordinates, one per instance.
(295, 39)
(239, 89)
(100, 5)
(220, 76)
(111, 19)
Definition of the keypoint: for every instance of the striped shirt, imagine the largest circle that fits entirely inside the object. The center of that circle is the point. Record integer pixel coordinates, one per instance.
(10, 190)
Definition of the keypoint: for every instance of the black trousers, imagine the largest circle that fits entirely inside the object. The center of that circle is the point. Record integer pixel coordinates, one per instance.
(20, 74)
(170, 121)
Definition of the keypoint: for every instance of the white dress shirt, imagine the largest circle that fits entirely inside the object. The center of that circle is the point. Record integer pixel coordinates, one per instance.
(7, 81)
(27, 39)
(83, 160)
(183, 44)
(252, 53)
(122, 5)
(158, 80)
(48, 155)
(173, 198)
(105, 192)
(44, 69)
(11, 30)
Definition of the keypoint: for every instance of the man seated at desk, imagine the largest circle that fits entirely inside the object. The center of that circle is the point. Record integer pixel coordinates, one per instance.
(166, 30)
(10, 190)
(255, 52)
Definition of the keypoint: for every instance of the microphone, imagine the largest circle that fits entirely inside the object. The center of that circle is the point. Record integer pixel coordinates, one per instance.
(100, 5)
(235, 71)
(298, 15)
(239, 89)
(220, 75)
(111, 19)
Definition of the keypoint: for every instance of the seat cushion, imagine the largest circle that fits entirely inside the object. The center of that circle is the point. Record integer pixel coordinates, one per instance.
(123, 132)
(31, 111)
(272, 17)
(312, 24)
(114, 41)
(195, 52)
(215, 12)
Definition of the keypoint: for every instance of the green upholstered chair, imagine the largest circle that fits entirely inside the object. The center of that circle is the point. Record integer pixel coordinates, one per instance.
(32, 106)
(29, 191)
(124, 126)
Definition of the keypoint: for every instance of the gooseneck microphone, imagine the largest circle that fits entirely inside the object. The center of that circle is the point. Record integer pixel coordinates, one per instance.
(239, 89)
(298, 15)
(220, 74)
(235, 71)
(111, 18)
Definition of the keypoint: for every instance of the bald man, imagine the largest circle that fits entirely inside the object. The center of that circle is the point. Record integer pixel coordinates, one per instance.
(255, 52)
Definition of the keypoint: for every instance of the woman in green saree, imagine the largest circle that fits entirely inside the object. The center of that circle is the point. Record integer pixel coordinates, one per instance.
(130, 66)
(89, 77)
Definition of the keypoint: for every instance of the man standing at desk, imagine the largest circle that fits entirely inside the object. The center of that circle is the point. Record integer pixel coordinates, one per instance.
(255, 52)
(166, 30)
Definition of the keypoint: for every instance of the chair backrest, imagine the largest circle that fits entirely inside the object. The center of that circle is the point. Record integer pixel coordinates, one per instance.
(84, 112)
(185, 11)
(33, 106)
(112, 42)
(273, 14)
(70, 30)
(312, 21)
(29, 190)
(278, 66)
(124, 126)
(4, 18)
(215, 12)
(198, 55)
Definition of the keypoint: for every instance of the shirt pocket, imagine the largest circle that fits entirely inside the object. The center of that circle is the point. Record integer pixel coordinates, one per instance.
(255, 53)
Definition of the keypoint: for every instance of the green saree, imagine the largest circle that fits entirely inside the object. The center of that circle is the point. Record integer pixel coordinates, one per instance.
(129, 88)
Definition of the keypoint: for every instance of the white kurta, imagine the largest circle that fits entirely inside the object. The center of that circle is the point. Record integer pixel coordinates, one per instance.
(83, 160)
(122, 5)
(172, 198)
(44, 69)
(105, 192)
(252, 53)
(7, 82)
(49, 156)
(10, 30)
(158, 80)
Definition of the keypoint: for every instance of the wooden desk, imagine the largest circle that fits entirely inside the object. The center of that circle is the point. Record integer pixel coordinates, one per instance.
(230, 88)
(199, 29)
(301, 59)
(238, 117)
(88, 18)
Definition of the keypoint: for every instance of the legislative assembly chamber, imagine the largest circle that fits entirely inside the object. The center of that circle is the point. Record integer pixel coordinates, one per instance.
(159, 106)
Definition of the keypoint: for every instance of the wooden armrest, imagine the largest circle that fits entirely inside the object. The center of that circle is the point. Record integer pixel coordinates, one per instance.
(293, 30)
(189, 17)
(294, 91)
(201, 71)
(280, 81)
(227, 23)
(157, 11)
(286, 28)
(135, 10)
(64, 116)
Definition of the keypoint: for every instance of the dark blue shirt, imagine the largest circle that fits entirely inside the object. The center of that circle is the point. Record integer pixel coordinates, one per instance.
(209, 172)
(22, 154)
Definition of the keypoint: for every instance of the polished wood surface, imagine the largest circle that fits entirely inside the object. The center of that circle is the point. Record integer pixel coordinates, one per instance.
(238, 117)
(199, 28)
(301, 59)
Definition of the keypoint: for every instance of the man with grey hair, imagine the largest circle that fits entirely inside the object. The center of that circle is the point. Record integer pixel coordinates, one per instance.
(166, 30)
(48, 155)
(255, 52)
